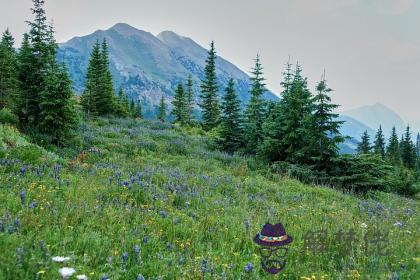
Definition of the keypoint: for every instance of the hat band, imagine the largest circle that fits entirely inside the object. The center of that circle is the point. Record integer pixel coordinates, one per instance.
(272, 238)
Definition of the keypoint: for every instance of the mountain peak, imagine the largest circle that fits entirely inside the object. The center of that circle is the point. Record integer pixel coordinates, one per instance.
(124, 28)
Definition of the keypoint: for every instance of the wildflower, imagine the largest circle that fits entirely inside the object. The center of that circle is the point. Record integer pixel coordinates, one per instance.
(41, 272)
(104, 277)
(137, 251)
(140, 277)
(249, 267)
(82, 277)
(124, 258)
(398, 224)
(145, 239)
(163, 214)
(395, 276)
(59, 259)
(33, 205)
(22, 197)
(66, 272)
(363, 225)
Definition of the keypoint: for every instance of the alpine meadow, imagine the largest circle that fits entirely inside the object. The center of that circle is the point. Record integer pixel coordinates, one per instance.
(125, 155)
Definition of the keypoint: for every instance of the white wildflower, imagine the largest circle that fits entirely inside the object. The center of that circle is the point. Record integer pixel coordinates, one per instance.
(66, 272)
(82, 277)
(363, 225)
(60, 259)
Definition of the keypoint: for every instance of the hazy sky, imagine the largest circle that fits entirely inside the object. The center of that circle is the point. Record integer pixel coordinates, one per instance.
(369, 48)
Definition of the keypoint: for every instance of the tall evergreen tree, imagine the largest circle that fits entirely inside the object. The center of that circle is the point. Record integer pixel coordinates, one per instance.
(326, 128)
(408, 150)
(231, 128)
(106, 98)
(93, 81)
(139, 110)
(39, 55)
(209, 88)
(57, 116)
(364, 146)
(255, 111)
(189, 92)
(99, 96)
(393, 150)
(379, 144)
(287, 133)
(180, 106)
(8, 72)
(162, 110)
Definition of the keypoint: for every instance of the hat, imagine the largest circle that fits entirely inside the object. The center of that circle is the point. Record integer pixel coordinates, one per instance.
(273, 235)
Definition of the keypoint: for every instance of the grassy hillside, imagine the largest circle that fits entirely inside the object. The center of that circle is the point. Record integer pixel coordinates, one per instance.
(137, 197)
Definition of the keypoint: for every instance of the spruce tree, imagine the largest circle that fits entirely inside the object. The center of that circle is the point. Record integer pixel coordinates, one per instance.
(231, 128)
(189, 92)
(138, 111)
(93, 81)
(393, 150)
(105, 101)
(57, 116)
(326, 128)
(180, 105)
(8, 72)
(255, 111)
(379, 144)
(132, 108)
(287, 135)
(162, 110)
(209, 88)
(39, 56)
(364, 146)
(408, 150)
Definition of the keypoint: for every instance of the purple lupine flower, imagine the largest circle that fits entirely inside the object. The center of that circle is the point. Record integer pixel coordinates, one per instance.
(104, 277)
(124, 258)
(140, 277)
(163, 214)
(33, 205)
(145, 239)
(136, 251)
(249, 267)
(22, 197)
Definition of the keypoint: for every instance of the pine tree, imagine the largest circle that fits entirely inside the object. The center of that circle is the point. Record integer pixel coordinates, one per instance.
(180, 105)
(364, 145)
(379, 145)
(287, 132)
(408, 150)
(8, 72)
(122, 105)
(105, 101)
(162, 110)
(209, 99)
(99, 96)
(138, 111)
(58, 116)
(231, 128)
(189, 92)
(326, 128)
(393, 150)
(93, 80)
(39, 49)
(132, 108)
(255, 111)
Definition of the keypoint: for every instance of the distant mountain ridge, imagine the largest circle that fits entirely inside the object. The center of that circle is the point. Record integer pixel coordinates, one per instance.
(148, 66)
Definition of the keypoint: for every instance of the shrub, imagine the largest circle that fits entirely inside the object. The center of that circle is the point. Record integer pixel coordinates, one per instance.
(7, 117)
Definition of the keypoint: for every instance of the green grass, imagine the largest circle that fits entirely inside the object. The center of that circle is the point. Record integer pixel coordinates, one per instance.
(198, 209)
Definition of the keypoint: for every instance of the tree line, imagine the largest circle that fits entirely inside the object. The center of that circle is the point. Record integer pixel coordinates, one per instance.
(299, 135)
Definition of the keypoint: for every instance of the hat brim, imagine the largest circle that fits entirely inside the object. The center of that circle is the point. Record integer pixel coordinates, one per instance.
(273, 244)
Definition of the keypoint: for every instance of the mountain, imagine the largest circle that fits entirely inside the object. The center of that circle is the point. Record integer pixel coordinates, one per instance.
(353, 129)
(376, 115)
(148, 66)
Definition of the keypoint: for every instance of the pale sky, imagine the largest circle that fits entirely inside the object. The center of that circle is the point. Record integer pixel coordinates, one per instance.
(369, 48)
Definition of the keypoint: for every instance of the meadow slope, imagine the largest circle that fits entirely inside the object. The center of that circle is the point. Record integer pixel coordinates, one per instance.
(139, 197)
